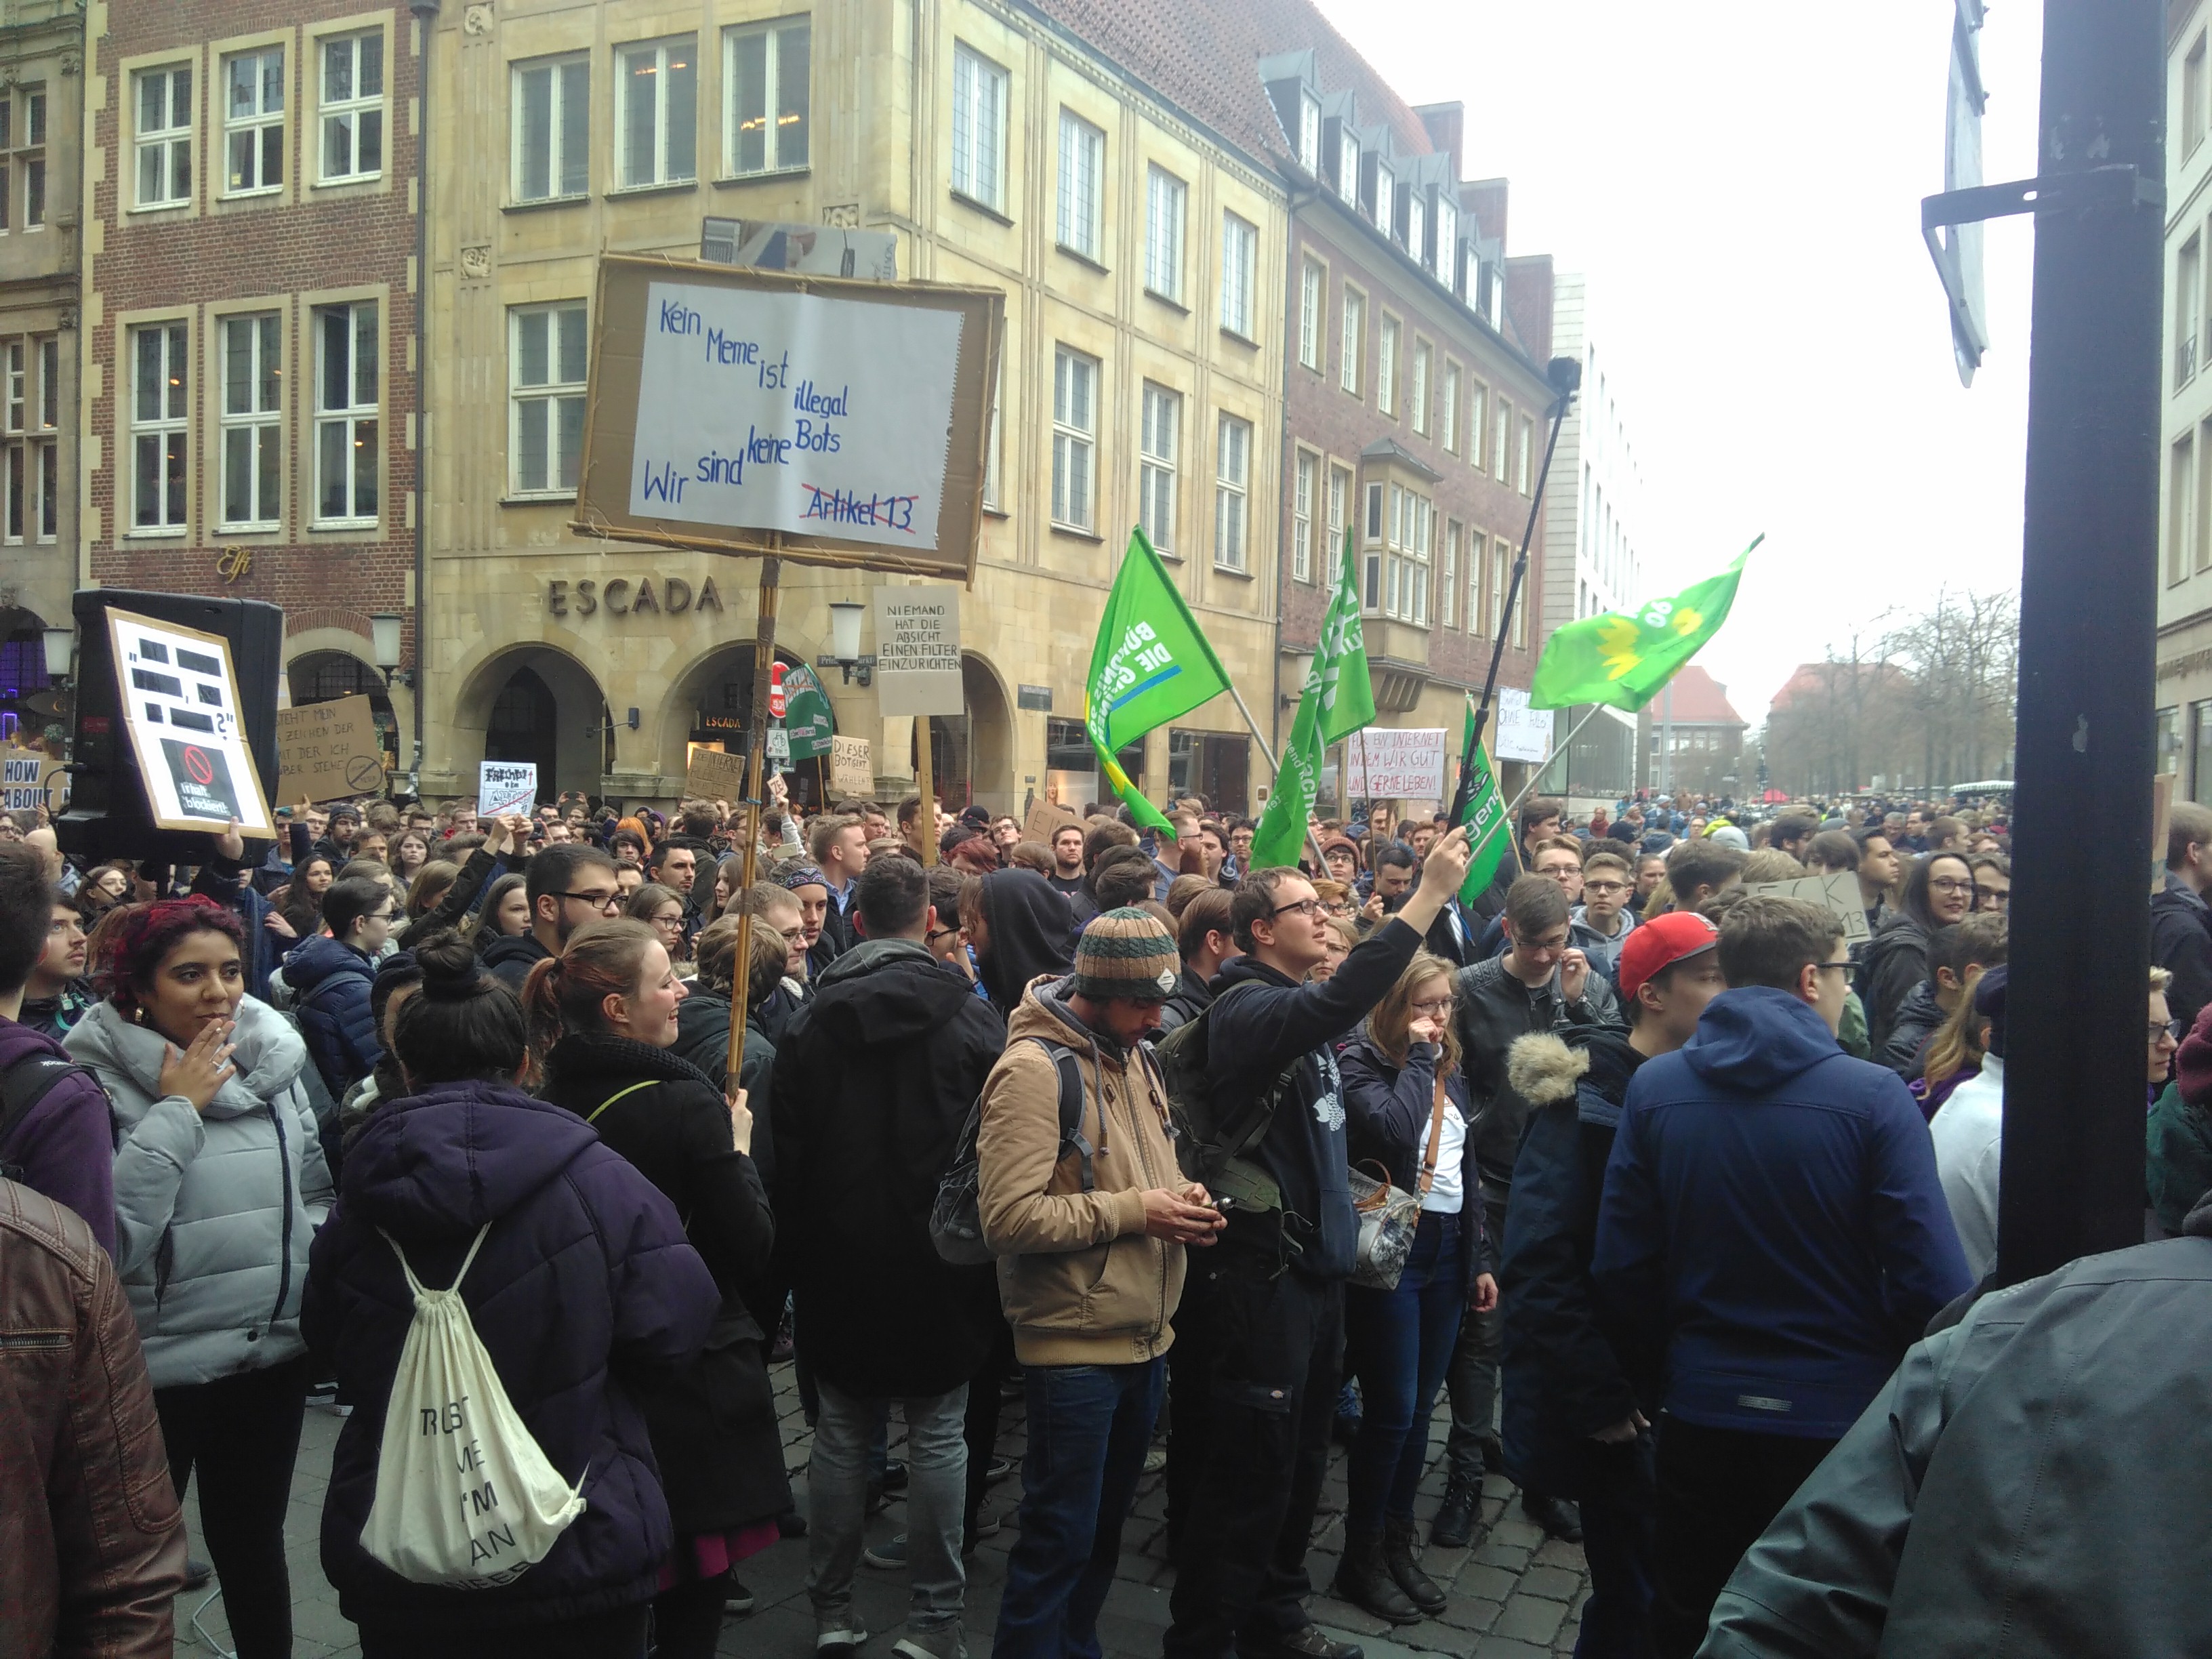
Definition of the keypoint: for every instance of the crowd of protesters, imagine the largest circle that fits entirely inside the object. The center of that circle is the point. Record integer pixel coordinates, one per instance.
(1686, 1168)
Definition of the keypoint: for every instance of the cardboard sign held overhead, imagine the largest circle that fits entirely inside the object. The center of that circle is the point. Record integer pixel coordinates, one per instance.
(505, 788)
(329, 750)
(1387, 763)
(918, 651)
(851, 767)
(1837, 894)
(1047, 819)
(180, 704)
(22, 773)
(710, 775)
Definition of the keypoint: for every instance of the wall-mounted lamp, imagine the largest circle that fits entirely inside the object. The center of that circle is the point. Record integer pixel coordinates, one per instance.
(384, 630)
(61, 654)
(844, 654)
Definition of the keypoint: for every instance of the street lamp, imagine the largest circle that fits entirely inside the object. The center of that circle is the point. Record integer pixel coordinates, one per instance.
(384, 636)
(844, 654)
(61, 653)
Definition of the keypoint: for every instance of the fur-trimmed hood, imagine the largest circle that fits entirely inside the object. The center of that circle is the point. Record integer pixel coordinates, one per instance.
(1543, 1071)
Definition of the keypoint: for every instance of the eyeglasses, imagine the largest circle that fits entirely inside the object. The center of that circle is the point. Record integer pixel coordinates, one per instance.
(1312, 907)
(2172, 1029)
(1949, 884)
(793, 935)
(597, 901)
(1436, 1006)
(1605, 887)
(670, 922)
(932, 936)
(1850, 970)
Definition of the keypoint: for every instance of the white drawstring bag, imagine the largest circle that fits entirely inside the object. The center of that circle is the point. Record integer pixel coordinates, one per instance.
(464, 1497)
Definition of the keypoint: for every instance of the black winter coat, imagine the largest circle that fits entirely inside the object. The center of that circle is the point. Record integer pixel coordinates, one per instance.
(1031, 933)
(330, 982)
(510, 960)
(1192, 995)
(702, 1037)
(1494, 1009)
(1386, 1109)
(2181, 943)
(1896, 960)
(1915, 1022)
(873, 1081)
(713, 1423)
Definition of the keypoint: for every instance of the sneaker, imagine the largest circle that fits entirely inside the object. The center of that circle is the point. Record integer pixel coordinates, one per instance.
(1156, 1460)
(322, 1393)
(889, 1557)
(842, 1636)
(791, 1524)
(945, 1643)
(736, 1598)
(999, 1469)
(1308, 1642)
(197, 1573)
(987, 1526)
(894, 1477)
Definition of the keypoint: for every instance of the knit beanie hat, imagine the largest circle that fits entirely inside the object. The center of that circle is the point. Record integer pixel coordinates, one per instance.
(1126, 953)
(2193, 1065)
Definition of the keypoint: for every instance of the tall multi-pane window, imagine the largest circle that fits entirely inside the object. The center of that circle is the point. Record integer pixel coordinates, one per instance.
(1349, 366)
(1386, 207)
(552, 120)
(1448, 420)
(1240, 252)
(1082, 169)
(1417, 228)
(1371, 541)
(1407, 531)
(1478, 425)
(159, 434)
(1160, 426)
(765, 83)
(994, 443)
(31, 164)
(1448, 576)
(979, 127)
(1386, 366)
(1166, 199)
(1502, 447)
(352, 107)
(165, 136)
(1347, 164)
(1313, 299)
(1340, 500)
(33, 508)
(1419, 387)
(253, 121)
(547, 362)
(1476, 544)
(1524, 458)
(252, 368)
(1445, 264)
(1302, 509)
(1074, 437)
(1232, 484)
(657, 112)
(1500, 576)
(346, 426)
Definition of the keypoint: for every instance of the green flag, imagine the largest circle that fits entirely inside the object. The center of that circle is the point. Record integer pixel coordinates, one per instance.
(1624, 658)
(1485, 819)
(1338, 700)
(1151, 665)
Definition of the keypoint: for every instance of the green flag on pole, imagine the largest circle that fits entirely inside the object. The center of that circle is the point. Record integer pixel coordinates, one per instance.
(1485, 819)
(1623, 658)
(1338, 700)
(1151, 665)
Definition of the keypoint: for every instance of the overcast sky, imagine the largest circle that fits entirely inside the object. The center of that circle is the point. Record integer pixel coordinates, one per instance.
(1741, 182)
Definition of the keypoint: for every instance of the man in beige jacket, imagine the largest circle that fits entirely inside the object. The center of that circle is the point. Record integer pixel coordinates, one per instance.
(1088, 1229)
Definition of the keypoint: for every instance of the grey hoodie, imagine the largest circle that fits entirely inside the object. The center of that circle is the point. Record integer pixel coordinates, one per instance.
(214, 1211)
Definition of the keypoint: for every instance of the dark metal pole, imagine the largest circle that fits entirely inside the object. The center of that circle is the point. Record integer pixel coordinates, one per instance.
(2072, 1181)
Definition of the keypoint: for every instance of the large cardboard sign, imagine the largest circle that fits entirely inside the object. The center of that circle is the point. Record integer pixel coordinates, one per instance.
(918, 651)
(1383, 763)
(179, 701)
(22, 778)
(711, 775)
(506, 788)
(1837, 894)
(828, 420)
(852, 767)
(327, 749)
(1047, 819)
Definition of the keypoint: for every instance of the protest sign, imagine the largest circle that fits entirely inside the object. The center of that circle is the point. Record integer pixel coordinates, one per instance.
(918, 651)
(1385, 763)
(1523, 733)
(179, 703)
(711, 775)
(1045, 819)
(851, 767)
(22, 778)
(326, 750)
(1837, 894)
(506, 786)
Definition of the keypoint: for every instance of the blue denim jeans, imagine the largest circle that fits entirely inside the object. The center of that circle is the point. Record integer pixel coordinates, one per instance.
(1089, 1428)
(1399, 1343)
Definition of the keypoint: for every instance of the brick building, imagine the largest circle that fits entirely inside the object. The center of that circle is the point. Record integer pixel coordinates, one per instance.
(1693, 738)
(249, 319)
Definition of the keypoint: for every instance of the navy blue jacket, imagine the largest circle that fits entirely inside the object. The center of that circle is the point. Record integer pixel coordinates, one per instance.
(332, 981)
(585, 1291)
(1771, 1223)
(1387, 1108)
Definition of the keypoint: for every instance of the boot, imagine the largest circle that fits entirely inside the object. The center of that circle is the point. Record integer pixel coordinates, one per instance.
(1402, 1554)
(1454, 1523)
(1555, 1515)
(1363, 1580)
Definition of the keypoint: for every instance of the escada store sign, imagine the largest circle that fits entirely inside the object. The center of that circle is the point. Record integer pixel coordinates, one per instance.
(625, 596)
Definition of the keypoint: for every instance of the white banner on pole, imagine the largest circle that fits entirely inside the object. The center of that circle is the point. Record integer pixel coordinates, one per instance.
(1523, 733)
(1383, 763)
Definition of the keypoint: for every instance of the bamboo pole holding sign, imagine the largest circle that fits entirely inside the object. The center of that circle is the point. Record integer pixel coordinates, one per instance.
(924, 813)
(757, 753)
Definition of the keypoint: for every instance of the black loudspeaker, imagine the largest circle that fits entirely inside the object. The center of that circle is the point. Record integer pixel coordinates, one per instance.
(109, 816)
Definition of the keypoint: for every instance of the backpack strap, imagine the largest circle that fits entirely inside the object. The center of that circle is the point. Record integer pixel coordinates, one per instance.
(1240, 1134)
(25, 1084)
(617, 1095)
(415, 1286)
(1070, 1068)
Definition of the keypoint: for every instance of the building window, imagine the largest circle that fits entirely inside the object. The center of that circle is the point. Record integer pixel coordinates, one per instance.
(346, 380)
(547, 359)
(1301, 507)
(1475, 544)
(1347, 166)
(551, 140)
(1349, 367)
(352, 107)
(1420, 386)
(1408, 526)
(1313, 298)
(656, 117)
(2188, 290)
(1447, 242)
(1075, 436)
(1524, 458)
(1156, 468)
(1240, 247)
(30, 165)
(979, 128)
(1082, 168)
(1232, 477)
(1520, 610)
(252, 422)
(165, 136)
(2200, 750)
(33, 414)
(1385, 208)
(159, 370)
(253, 121)
(1340, 499)
(1448, 584)
(1448, 425)
(766, 72)
(2180, 475)
(2204, 505)
(1309, 133)
(1499, 576)
(1502, 447)
(1386, 366)
(1417, 228)
(1165, 197)
(2192, 97)
(1478, 425)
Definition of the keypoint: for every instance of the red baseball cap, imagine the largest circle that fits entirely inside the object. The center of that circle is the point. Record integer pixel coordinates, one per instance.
(1657, 944)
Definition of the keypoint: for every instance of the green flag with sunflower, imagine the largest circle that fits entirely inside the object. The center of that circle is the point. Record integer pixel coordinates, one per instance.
(1623, 658)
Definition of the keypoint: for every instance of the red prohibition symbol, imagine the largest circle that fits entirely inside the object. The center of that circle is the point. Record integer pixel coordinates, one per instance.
(197, 763)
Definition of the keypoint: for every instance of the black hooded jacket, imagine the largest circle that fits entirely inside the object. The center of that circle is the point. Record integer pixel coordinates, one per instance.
(1030, 934)
(1895, 961)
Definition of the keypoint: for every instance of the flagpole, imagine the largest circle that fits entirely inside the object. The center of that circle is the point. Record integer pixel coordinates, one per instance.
(1565, 374)
(1530, 788)
(1275, 769)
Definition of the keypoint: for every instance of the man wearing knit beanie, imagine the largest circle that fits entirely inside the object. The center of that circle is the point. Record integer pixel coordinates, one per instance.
(1080, 1198)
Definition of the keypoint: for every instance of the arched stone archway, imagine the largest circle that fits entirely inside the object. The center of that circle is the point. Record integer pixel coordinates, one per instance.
(23, 676)
(326, 675)
(711, 701)
(502, 715)
(971, 754)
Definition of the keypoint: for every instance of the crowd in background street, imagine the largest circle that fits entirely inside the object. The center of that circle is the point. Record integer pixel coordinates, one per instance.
(1683, 1191)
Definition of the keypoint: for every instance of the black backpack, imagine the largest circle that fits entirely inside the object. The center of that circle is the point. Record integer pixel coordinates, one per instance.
(956, 1222)
(23, 1086)
(1214, 1141)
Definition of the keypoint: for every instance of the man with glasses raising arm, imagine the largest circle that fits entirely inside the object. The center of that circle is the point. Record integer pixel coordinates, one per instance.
(567, 885)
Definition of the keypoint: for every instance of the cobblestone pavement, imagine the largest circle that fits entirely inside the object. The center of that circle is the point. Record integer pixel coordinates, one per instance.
(1516, 1595)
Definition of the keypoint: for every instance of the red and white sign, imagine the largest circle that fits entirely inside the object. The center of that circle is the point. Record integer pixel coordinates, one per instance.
(776, 700)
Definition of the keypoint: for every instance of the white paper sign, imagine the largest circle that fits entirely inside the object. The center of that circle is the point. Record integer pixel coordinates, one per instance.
(179, 701)
(1383, 764)
(506, 786)
(918, 651)
(794, 411)
(20, 790)
(1837, 894)
(1523, 733)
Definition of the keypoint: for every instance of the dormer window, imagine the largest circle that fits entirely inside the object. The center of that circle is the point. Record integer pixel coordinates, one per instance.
(1416, 229)
(1309, 133)
(1447, 241)
(1385, 209)
(1348, 167)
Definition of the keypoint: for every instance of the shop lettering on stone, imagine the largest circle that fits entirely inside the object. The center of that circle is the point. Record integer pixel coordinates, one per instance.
(623, 596)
